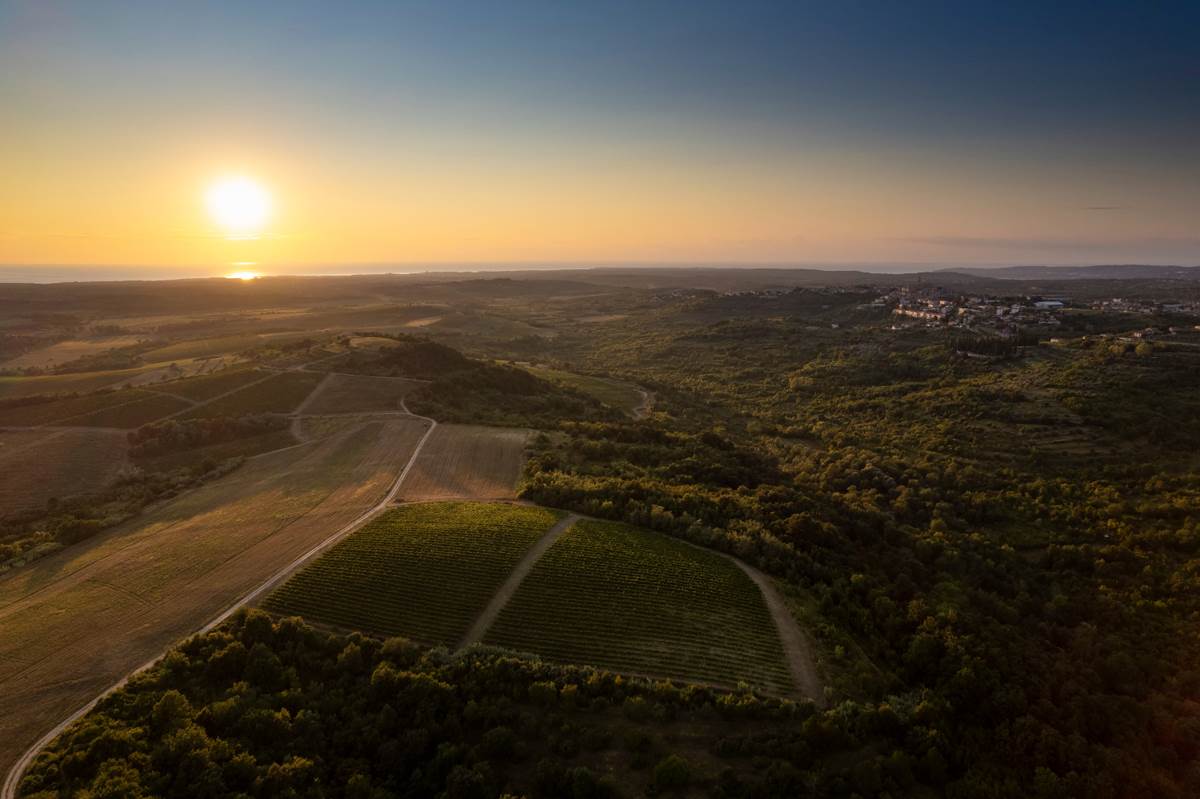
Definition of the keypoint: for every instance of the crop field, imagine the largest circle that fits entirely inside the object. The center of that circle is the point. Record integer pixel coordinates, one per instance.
(128, 408)
(76, 383)
(38, 466)
(634, 601)
(206, 346)
(66, 351)
(613, 393)
(422, 571)
(361, 394)
(208, 386)
(246, 447)
(74, 622)
(467, 462)
(132, 414)
(160, 375)
(282, 393)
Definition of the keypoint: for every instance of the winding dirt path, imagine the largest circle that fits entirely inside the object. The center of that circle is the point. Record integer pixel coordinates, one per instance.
(505, 592)
(643, 410)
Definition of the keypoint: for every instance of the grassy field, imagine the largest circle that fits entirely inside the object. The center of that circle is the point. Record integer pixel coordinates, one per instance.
(128, 408)
(361, 394)
(206, 346)
(282, 393)
(73, 623)
(466, 461)
(221, 345)
(39, 465)
(634, 601)
(206, 387)
(421, 571)
(66, 351)
(79, 383)
(613, 393)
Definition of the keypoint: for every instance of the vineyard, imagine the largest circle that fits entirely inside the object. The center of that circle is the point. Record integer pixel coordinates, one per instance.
(467, 461)
(128, 408)
(40, 465)
(421, 571)
(279, 394)
(634, 601)
(206, 387)
(76, 383)
(362, 394)
(131, 414)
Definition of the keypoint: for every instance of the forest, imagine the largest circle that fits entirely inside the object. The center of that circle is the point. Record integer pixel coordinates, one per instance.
(1009, 546)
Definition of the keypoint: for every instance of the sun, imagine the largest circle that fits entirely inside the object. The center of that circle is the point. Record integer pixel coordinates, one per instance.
(239, 205)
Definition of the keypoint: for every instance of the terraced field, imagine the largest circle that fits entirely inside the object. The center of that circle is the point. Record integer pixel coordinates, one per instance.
(345, 393)
(282, 393)
(421, 571)
(128, 408)
(634, 601)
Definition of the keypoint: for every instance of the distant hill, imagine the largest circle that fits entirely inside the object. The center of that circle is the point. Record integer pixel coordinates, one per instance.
(1098, 272)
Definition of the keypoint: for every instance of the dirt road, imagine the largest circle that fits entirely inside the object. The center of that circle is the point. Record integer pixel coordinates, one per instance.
(505, 592)
(795, 644)
(75, 623)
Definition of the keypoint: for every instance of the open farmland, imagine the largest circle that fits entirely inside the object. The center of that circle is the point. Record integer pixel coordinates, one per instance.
(128, 408)
(132, 414)
(75, 622)
(76, 383)
(199, 348)
(205, 387)
(40, 465)
(635, 601)
(281, 393)
(467, 461)
(67, 351)
(246, 447)
(422, 571)
(344, 393)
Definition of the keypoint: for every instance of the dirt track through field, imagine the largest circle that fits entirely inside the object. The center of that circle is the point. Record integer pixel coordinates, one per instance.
(74, 623)
(505, 592)
(795, 645)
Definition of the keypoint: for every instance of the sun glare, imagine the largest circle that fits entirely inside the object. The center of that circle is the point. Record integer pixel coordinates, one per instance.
(239, 205)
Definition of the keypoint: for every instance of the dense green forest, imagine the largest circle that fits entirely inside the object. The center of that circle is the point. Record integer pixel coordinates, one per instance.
(1010, 546)
(262, 708)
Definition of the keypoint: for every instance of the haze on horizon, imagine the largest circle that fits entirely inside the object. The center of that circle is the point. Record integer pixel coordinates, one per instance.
(461, 132)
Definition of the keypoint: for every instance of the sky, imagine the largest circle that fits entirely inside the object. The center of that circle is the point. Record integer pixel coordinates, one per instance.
(425, 133)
